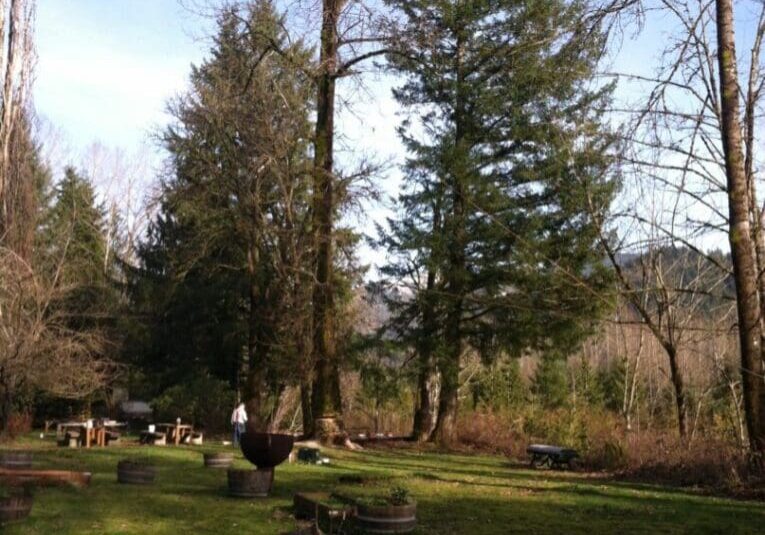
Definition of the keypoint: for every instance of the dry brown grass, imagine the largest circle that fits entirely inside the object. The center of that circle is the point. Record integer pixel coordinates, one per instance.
(709, 464)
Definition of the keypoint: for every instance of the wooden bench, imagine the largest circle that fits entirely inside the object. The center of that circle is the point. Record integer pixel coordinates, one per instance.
(551, 456)
(153, 438)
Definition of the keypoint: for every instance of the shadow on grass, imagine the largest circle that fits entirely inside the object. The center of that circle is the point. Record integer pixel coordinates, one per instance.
(455, 496)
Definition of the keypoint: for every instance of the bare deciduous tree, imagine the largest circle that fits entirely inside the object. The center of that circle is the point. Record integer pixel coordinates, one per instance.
(695, 135)
(17, 57)
(38, 350)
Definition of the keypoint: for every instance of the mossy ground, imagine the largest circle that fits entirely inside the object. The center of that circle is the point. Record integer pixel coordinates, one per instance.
(456, 494)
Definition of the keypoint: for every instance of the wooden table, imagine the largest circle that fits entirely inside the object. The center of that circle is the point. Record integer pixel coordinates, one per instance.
(175, 432)
(62, 427)
(94, 435)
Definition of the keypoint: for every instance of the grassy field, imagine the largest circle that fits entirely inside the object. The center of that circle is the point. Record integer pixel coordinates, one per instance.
(456, 494)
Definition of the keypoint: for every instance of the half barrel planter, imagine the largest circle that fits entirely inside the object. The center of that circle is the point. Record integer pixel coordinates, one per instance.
(386, 518)
(265, 451)
(328, 514)
(250, 483)
(16, 460)
(15, 508)
(132, 472)
(218, 460)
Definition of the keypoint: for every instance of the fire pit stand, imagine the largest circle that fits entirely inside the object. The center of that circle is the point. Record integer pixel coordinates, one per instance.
(266, 451)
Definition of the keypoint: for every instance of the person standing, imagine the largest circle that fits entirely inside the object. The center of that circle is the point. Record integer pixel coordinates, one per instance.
(238, 420)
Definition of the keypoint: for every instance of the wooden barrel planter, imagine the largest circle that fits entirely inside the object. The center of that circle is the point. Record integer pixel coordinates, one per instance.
(218, 460)
(136, 472)
(330, 513)
(14, 508)
(16, 460)
(250, 483)
(386, 518)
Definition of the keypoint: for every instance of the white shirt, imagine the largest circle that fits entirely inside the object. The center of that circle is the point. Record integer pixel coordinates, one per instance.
(239, 416)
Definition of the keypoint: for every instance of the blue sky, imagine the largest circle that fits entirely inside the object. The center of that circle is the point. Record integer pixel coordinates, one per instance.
(107, 68)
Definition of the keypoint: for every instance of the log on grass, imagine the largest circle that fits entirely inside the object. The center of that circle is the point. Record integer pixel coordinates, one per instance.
(44, 478)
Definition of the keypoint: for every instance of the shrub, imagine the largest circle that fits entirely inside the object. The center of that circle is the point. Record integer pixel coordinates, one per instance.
(608, 455)
(399, 496)
(495, 432)
(203, 400)
(550, 385)
(18, 424)
(652, 455)
(500, 386)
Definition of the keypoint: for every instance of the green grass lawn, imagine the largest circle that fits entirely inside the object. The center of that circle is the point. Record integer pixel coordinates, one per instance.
(473, 495)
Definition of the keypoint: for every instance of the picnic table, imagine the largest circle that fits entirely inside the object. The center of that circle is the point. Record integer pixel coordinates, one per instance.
(176, 432)
(89, 433)
(551, 456)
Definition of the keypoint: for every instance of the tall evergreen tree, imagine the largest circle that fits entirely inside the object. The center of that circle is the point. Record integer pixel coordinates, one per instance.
(508, 156)
(234, 233)
(74, 250)
(30, 180)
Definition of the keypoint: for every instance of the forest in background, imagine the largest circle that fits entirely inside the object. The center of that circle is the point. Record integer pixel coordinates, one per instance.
(545, 276)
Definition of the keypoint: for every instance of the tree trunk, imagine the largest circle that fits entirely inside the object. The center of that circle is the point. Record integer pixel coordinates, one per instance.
(306, 409)
(17, 195)
(327, 404)
(755, 214)
(5, 412)
(8, 66)
(255, 386)
(679, 388)
(424, 413)
(744, 270)
(445, 432)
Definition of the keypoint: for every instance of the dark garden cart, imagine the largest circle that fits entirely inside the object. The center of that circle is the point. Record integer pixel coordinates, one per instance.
(551, 456)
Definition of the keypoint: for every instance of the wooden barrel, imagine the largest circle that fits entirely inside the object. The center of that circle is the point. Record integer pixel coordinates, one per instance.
(218, 460)
(386, 518)
(306, 504)
(15, 508)
(16, 460)
(136, 473)
(250, 483)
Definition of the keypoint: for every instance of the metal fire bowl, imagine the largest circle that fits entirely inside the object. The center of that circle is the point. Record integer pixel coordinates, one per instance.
(266, 450)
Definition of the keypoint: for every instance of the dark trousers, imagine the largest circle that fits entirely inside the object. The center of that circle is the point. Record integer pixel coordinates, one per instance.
(238, 430)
